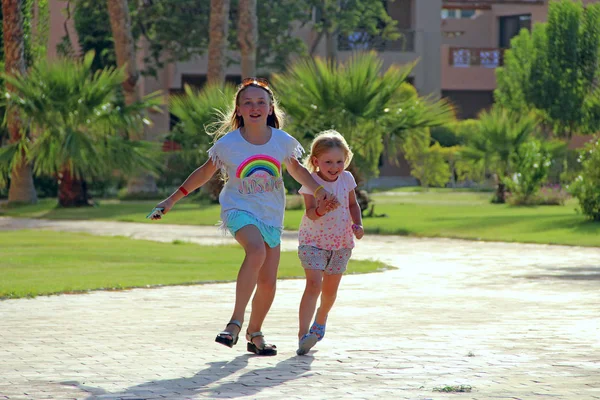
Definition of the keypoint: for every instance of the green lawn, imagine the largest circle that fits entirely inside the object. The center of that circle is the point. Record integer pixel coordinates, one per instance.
(437, 213)
(45, 262)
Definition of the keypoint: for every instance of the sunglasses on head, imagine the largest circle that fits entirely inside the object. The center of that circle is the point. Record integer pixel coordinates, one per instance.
(257, 82)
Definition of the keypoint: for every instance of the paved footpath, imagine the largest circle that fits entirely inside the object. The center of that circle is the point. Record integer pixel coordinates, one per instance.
(512, 321)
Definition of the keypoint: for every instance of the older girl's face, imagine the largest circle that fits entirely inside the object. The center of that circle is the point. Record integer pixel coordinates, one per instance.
(254, 106)
(330, 164)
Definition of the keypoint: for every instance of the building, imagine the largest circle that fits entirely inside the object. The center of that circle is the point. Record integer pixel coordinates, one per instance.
(418, 21)
(475, 34)
(459, 44)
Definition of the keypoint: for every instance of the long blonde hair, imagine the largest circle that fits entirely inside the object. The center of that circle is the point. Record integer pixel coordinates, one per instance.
(325, 141)
(230, 121)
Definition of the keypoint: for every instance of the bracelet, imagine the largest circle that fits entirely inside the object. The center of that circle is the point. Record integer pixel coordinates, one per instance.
(182, 190)
(317, 212)
(317, 189)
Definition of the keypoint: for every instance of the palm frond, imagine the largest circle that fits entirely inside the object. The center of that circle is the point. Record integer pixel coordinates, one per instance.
(75, 113)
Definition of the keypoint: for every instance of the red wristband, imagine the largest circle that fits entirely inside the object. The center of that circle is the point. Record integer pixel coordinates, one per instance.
(317, 212)
(182, 190)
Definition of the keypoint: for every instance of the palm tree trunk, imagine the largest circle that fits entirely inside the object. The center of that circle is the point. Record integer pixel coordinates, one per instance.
(217, 42)
(315, 44)
(21, 188)
(120, 22)
(331, 43)
(72, 192)
(248, 36)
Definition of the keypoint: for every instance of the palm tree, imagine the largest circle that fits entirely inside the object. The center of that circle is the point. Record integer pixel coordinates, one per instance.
(21, 188)
(197, 111)
(247, 36)
(82, 127)
(371, 108)
(496, 140)
(120, 23)
(217, 43)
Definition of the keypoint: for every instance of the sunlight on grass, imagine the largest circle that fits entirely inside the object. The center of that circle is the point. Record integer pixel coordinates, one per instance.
(45, 262)
(435, 213)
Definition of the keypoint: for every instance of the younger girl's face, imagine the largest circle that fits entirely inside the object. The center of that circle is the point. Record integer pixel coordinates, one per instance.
(330, 164)
(254, 105)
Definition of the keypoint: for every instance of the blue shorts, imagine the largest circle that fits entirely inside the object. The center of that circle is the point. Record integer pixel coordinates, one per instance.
(237, 219)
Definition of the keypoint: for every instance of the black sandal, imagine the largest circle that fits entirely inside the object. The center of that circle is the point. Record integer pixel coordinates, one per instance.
(266, 350)
(233, 339)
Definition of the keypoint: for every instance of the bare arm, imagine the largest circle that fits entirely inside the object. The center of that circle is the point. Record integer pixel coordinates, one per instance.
(356, 216)
(302, 176)
(196, 179)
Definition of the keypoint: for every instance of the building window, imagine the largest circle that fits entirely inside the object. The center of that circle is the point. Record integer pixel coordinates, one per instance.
(455, 13)
(453, 34)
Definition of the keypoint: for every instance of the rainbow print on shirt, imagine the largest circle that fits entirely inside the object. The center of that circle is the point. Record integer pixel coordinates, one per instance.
(259, 174)
(259, 162)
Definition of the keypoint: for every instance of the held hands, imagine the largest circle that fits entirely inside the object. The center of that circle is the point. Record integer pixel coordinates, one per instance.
(358, 230)
(326, 201)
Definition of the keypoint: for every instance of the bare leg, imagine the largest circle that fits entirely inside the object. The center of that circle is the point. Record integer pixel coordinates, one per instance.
(265, 291)
(308, 303)
(328, 295)
(251, 240)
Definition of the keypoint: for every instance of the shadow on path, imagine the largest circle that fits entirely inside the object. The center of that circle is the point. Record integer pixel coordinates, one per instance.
(248, 384)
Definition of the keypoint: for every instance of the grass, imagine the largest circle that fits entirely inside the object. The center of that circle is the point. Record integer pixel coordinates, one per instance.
(435, 213)
(454, 389)
(45, 262)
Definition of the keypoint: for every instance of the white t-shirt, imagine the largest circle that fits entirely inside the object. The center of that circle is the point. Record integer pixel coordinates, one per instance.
(254, 181)
(333, 231)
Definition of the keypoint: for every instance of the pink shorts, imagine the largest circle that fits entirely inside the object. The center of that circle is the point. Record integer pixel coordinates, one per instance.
(331, 262)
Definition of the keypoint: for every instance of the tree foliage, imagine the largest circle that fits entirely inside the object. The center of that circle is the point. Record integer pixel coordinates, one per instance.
(370, 107)
(81, 125)
(428, 163)
(496, 139)
(586, 188)
(178, 30)
(334, 17)
(554, 70)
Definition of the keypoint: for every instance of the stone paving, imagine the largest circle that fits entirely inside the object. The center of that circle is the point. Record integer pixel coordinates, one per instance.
(511, 321)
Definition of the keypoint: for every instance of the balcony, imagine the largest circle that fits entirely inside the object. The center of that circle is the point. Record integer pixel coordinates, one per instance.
(363, 41)
(461, 57)
(476, 3)
(470, 68)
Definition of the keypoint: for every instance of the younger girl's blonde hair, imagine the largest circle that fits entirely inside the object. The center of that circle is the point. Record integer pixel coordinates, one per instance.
(325, 141)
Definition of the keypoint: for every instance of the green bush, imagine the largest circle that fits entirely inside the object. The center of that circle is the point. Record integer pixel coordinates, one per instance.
(427, 163)
(586, 187)
(553, 195)
(532, 163)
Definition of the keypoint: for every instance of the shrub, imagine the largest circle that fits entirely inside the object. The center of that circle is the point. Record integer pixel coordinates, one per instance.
(553, 195)
(532, 166)
(586, 187)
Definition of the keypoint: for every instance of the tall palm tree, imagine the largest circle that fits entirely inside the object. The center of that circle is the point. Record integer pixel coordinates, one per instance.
(82, 127)
(247, 36)
(21, 188)
(217, 42)
(120, 22)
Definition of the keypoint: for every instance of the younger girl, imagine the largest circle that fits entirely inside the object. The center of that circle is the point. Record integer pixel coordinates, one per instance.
(252, 201)
(326, 234)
